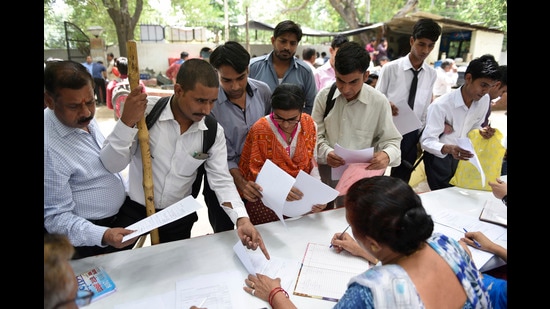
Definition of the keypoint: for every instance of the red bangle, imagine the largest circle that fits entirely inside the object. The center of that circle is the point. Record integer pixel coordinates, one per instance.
(274, 292)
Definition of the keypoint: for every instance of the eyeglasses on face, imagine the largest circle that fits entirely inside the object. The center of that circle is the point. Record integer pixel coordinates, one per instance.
(83, 298)
(291, 121)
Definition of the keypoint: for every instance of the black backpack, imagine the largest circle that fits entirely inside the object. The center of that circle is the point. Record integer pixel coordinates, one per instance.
(209, 137)
(330, 103)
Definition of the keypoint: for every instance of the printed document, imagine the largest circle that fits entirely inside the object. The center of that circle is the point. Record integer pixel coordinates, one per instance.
(255, 262)
(171, 213)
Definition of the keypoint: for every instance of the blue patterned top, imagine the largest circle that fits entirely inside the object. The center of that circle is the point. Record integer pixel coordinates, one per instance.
(389, 286)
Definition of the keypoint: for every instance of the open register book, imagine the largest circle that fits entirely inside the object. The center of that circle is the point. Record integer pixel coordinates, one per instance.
(325, 273)
(495, 212)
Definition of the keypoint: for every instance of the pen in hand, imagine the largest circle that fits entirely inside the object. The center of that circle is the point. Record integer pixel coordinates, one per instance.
(202, 302)
(341, 235)
(475, 241)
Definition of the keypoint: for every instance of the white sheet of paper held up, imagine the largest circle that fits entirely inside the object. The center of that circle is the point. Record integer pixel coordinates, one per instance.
(171, 213)
(350, 156)
(466, 143)
(274, 194)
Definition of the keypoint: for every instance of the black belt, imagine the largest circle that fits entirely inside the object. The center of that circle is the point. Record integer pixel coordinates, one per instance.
(104, 222)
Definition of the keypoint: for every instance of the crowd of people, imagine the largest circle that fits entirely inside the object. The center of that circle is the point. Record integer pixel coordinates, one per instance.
(274, 107)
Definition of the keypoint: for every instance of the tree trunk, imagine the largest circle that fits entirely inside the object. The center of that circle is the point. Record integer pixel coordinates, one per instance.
(410, 6)
(125, 23)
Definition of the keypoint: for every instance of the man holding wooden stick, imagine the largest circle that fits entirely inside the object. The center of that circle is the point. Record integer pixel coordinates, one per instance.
(176, 141)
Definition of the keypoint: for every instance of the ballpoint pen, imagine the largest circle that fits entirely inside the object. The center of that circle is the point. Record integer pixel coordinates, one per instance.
(475, 241)
(202, 302)
(341, 235)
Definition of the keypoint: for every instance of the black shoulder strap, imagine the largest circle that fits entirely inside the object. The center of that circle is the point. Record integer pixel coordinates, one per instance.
(208, 141)
(154, 115)
(330, 101)
(211, 123)
(210, 134)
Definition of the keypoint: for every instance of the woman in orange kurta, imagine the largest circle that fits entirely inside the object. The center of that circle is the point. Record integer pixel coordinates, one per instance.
(288, 138)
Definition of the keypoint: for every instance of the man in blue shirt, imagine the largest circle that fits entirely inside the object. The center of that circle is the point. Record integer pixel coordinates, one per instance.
(89, 64)
(99, 73)
(241, 102)
(82, 199)
(280, 65)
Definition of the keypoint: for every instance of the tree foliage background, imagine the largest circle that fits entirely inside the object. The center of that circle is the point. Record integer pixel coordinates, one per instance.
(120, 18)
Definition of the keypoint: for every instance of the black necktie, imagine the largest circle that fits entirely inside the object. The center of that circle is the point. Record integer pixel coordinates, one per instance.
(412, 92)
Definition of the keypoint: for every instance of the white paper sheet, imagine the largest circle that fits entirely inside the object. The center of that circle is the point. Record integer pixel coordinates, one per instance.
(315, 192)
(466, 143)
(215, 290)
(405, 121)
(255, 262)
(171, 213)
(274, 194)
(453, 223)
(161, 301)
(350, 156)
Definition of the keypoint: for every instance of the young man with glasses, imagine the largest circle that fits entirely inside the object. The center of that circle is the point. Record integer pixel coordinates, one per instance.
(288, 138)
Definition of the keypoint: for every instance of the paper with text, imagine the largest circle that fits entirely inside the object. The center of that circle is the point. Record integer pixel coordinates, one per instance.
(405, 121)
(171, 213)
(325, 273)
(354, 172)
(162, 301)
(495, 212)
(453, 223)
(255, 262)
(215, 290)
(350, 156)
(466, 143)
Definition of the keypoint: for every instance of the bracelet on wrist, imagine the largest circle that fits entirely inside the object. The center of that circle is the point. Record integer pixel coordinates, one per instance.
(274, 292)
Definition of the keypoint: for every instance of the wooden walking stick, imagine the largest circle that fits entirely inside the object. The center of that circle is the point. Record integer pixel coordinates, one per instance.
(143, 137)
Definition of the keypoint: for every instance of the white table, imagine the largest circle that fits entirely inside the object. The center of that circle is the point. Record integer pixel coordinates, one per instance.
(468, 203)
(150, 271)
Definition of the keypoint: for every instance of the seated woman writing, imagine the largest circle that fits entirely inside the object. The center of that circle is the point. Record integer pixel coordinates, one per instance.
(417, 269)
(288, 138)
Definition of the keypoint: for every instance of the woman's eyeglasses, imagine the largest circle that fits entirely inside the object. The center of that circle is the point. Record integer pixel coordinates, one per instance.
(83, 298)
(290, 121)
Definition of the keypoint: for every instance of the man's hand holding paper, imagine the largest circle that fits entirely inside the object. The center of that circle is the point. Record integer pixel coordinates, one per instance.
(380, 161)
(350, 156)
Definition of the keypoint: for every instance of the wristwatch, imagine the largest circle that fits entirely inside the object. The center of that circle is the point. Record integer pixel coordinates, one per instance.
(505, 200)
